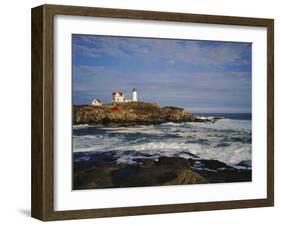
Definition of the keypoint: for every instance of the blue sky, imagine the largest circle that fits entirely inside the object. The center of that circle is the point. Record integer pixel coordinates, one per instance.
(200, 76)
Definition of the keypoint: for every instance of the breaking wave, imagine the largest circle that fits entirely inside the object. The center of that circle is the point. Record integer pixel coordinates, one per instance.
(226, 140)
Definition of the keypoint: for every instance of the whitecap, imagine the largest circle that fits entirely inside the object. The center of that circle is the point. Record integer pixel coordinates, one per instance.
(80, 126)
(205, 140)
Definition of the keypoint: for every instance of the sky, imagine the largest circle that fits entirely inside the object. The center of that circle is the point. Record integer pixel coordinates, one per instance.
(198, 75)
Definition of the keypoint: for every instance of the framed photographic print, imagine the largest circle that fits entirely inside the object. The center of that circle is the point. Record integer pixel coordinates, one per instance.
(141, 112)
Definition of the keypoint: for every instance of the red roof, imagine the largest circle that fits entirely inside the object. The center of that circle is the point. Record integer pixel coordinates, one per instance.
(113, 94)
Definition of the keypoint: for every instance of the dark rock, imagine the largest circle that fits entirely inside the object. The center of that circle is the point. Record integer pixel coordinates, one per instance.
(226, 175)
(100, 170)
(210, 164)
(218, 172)
(245, 163)
(165, 171)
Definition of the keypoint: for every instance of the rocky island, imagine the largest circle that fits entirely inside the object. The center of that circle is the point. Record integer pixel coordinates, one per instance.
(132, 113)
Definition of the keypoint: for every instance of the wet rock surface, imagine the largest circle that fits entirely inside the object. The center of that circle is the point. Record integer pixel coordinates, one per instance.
(165, 171)
(100, 170)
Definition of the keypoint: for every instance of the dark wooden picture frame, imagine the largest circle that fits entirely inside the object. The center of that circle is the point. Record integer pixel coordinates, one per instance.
(43, 112)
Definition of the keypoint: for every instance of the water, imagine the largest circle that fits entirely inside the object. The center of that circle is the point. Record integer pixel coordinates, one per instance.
(228, 140)
(238, 116)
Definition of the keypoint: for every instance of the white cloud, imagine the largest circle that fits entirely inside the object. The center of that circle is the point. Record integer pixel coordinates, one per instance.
(170, 51)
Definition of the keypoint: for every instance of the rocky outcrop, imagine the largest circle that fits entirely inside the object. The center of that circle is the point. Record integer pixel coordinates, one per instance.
(102, 170)
(131, 113)
(165, 171)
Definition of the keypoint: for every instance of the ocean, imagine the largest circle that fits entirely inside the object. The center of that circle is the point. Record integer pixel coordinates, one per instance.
(227, 140)
(237, 116)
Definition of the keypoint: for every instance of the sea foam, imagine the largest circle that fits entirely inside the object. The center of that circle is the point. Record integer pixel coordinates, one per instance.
(226, 140)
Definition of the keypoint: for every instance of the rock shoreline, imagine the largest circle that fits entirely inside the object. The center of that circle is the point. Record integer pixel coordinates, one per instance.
(100, 170)
(131, 114)
(165, 171)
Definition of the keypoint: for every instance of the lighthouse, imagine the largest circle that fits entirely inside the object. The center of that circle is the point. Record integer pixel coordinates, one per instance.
(134, 95)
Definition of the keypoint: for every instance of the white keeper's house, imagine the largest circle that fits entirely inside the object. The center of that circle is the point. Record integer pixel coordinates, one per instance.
(118, 97)
(96, 102)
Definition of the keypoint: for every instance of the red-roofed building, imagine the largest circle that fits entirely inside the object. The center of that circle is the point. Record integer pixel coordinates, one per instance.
(118, 97)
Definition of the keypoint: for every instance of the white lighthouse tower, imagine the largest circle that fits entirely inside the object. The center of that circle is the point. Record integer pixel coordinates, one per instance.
(134, 95)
